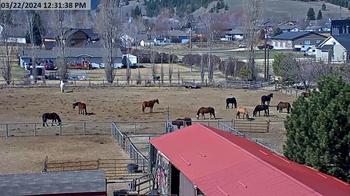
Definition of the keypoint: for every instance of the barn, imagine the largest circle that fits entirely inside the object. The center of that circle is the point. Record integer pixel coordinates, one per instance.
(82, 183)
(200, 160)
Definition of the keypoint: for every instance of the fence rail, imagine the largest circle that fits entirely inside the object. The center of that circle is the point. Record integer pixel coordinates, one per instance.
(67, 128)
(133, 83)
(115, 169)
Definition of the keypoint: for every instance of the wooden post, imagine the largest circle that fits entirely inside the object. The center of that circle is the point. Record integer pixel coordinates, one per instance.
(134, 128)
(89, 83)
(60, 130)
(206, 82)
(7, 131)
(84, 127)
(34, 129)
(268, 126)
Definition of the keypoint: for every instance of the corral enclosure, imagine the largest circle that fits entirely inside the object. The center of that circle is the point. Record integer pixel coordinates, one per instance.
(121, 105)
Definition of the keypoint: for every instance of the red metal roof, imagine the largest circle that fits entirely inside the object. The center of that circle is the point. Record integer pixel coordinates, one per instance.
(220, 163)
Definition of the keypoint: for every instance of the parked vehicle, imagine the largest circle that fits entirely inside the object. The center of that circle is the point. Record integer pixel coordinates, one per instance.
(80, 65)
(263, 46)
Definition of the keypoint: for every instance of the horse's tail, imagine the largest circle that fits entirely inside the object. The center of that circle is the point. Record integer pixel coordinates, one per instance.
(235, 102)
(143, 107)
(254, 112)
(277, 107)
(289, 107)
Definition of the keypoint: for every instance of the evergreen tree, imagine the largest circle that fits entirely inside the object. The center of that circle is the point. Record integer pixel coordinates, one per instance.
(277, 63)
(318, 129)
(311, 14)
(38, 30)
(319, 15)
(324, 7)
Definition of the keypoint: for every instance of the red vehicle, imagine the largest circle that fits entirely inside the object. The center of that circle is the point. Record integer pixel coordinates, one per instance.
(82, 65)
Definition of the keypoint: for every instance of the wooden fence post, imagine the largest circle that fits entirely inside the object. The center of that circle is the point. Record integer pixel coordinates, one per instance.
(7, 131)
(60, 130)
(84, 127)
(268, 126)
(34, 129)
(89, 83)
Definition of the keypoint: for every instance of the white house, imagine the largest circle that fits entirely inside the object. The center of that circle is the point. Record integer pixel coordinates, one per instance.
(335, 49)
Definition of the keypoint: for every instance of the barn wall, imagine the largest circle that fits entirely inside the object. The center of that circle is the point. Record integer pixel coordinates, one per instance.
(186, 186)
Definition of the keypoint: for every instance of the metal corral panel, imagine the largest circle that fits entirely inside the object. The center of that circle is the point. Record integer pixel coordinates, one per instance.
(62, 183)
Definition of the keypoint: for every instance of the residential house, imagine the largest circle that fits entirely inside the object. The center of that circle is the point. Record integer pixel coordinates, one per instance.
(178, 36)
(222, 163)
(72, 55)
(16, 35)
(335, 49)
(300, 41)
(235, 34)
(72, 37)
(289, 26)
(339, 27)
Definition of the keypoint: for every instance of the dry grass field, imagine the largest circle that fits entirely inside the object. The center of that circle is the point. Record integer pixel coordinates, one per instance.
(24, 154)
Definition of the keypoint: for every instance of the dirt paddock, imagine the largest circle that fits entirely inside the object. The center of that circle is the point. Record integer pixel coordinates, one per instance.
(26, 154)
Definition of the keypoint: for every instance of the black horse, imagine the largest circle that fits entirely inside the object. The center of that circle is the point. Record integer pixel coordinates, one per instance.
(232, 101)
(266, 98)
(259, 108)
(51, 116)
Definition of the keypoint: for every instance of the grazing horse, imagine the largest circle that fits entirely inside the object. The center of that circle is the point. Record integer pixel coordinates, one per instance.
(149, 104)
(81, 107)
(182, 122)
(266, 98)
(259, 108)
(232, 101)
(242, 110)
(282, 105)
(204, 110)
(51, 116)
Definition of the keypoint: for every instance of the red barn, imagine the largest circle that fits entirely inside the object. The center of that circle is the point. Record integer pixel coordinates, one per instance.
(200, 160)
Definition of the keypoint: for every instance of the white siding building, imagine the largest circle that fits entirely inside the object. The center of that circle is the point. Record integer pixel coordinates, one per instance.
(335, 49)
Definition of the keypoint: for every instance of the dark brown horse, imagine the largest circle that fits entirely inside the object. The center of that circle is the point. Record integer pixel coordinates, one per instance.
(282, 105)
(81, 107)
(149, 104)
(204, 110)
(51, 116)
(259, 108)
(232, 101)
(266, 98)
(182, 122)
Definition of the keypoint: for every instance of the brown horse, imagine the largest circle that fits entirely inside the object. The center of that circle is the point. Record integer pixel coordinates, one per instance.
(204, 110)
(182, 122)
(81, 107)
(282, 105)
(242, 110)
(149, 104)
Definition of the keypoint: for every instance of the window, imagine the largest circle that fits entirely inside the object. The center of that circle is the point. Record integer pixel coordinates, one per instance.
(307, 42)
(318, 41)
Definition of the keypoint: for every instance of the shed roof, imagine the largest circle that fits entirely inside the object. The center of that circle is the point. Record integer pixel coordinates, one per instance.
(294, 35)
(344, 40)
(219, 162)
(53, 183)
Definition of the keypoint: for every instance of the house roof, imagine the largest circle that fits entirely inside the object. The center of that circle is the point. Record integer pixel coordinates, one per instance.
(219, 163)
(326, 47)
(294, 35)
(89, 32)
(53, 183)
(69, 53)
(178, 33)
(344, 40)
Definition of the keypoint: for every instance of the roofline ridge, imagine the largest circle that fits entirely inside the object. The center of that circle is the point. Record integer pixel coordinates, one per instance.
(259, 159)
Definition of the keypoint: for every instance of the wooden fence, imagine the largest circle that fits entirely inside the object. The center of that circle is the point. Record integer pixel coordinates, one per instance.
(67, 128)
(115, 169)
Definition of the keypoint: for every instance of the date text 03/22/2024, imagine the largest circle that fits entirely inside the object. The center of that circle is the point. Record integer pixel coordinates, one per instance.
(45, 4)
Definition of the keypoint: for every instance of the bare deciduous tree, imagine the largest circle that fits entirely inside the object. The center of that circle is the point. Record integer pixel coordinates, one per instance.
(162, 73)
(139, 79)
(108, 28)
(252, 16)
(171, 70)
(5, 32)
